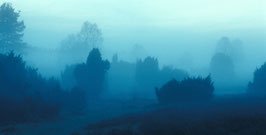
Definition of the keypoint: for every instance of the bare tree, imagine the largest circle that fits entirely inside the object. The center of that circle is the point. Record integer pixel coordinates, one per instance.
(79, 45)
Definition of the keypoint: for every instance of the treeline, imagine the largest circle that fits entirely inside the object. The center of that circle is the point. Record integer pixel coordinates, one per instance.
(25, 95)
(140, 78)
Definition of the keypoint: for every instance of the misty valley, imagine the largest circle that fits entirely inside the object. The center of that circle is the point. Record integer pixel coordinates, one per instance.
(85, 86)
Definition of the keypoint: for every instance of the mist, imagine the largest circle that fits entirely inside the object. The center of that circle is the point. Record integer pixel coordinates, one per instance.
(131, 62)
(187, 29)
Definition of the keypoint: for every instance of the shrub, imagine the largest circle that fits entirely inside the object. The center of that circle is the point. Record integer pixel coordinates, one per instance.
(258, 85)
(24, 94)
(148, 75)
(190, 89)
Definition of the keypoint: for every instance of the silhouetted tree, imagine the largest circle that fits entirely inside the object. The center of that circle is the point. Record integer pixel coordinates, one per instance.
(190, 89)
(148, 75)
(11, 29)
(224, 46)
(115, 58)
(231, 48)
(68, 80)
(168, 72)
(90, 76)
(258, 85)
(90, 35)
(222, 68)
(80, 44)
(138, 52)
(121, 70)
(147, 72)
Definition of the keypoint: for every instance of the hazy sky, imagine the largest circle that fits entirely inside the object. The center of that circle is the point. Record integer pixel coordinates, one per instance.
(159, 13)
(187, 26)
(117, 16)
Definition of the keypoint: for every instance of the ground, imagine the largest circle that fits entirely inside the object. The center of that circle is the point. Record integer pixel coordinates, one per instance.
(230, 115)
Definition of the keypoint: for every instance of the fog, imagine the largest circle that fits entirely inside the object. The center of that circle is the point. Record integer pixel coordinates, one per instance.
(181, 33)
(178, 27)
(95, 60)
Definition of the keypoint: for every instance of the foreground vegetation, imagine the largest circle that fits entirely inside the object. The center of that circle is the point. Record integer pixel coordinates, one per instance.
(238, 115)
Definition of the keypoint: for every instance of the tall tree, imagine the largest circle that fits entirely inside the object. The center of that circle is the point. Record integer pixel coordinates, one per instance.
(90, 35)
(77, 46)
(90, 76)
(11, 29)
(222, 68)
(231, 48)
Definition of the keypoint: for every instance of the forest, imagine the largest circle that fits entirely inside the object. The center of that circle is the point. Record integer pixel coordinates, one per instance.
(81, 88)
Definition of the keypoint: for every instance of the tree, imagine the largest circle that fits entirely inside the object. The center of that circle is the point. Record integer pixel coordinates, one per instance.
(222, 68)
(11, 29)
(67, 77)
(168, 72)
(90, 76)
(224, 46)
(148, 75)
(90, 35)
(80, 44)
(258, 85)
(231, 48)
(121, 70)
(75, 48)
(147, 72)
(138, 52)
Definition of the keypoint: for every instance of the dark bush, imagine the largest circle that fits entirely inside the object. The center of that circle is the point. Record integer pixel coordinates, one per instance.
(24, 94)
(148, 75)
(190, 89)
(258, 85)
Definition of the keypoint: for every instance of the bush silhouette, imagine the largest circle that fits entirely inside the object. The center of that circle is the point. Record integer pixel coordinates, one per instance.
(148, 75)
(190, 89)
(258, 85)
(25, 94)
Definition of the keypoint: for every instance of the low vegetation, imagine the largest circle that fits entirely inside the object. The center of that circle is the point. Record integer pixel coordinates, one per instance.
(189, 89)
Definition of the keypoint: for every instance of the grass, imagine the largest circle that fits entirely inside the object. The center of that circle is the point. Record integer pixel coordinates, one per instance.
(239, 115)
